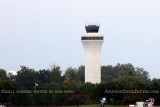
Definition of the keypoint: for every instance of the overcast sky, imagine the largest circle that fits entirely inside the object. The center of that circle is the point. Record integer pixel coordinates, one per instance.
(39, 33)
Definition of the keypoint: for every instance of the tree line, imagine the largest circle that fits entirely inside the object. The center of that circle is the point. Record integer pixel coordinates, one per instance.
(122, 77)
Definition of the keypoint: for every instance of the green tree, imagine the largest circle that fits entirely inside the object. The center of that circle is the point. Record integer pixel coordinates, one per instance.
(55, 76)
(144, 75)
(3, 75)
(155, 86)
(71, 74)
(11, 76)
(43, 78)
(80, 73)
(77, 98)
(111, 72)
(5, 95)
(108, 73)
(129, 83)
(26, 78)
(71, 84)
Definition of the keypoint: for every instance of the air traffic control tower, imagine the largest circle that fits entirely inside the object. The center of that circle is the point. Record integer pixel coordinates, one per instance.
(92, 42)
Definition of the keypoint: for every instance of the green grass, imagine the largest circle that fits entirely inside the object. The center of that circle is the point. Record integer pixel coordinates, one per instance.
(97, 105)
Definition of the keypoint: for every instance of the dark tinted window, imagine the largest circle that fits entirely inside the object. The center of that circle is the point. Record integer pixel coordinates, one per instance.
(92, 28)
(92, 38)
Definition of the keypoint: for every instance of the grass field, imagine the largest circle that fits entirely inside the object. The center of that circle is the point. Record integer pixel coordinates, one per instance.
(96, 105)
(99, 106)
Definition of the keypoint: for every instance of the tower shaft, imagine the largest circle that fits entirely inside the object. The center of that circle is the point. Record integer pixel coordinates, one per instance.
(92, 43)
(92, 50)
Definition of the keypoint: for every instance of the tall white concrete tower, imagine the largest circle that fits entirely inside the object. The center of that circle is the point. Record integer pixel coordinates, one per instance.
(92, 42)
